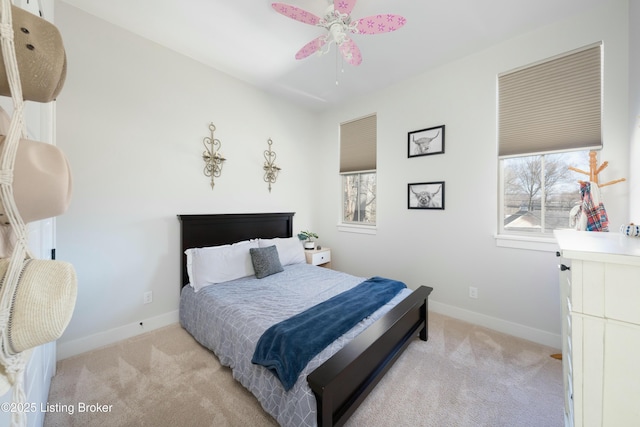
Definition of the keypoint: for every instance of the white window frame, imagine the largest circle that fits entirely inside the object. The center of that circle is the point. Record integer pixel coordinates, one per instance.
(527, 240)
(543, 241)
(356, 226)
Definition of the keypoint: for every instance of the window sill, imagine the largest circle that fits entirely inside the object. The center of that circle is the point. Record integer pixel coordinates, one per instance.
(360, 229)
(532, 243)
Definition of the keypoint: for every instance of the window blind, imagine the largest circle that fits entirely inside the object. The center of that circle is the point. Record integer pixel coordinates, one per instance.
(358, 140)
(555, 105)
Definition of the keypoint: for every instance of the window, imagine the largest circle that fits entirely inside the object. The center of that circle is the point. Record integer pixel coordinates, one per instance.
(359, 198)
(549, 118)
(358, 139)
(540, 191)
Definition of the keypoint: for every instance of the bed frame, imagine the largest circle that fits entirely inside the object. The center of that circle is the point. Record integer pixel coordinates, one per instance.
(342, 382)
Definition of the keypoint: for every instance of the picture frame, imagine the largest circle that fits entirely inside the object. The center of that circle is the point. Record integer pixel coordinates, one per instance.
(425, 142)
(425, 195)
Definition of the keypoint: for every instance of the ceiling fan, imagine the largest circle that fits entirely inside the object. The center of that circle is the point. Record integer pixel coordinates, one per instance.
(338, 23)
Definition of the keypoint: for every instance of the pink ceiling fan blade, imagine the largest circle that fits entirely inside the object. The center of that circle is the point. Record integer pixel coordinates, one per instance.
(296, 13)
(344, 6)
(351, 52)
(312, 47)
(380, 24)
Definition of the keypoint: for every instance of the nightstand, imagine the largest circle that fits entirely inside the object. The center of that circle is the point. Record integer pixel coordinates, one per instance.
(319, 257)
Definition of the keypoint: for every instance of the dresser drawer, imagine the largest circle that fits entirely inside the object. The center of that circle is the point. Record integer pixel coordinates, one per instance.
(320, 257)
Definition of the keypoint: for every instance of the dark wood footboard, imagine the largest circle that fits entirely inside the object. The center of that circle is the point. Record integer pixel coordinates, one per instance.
(343, 382)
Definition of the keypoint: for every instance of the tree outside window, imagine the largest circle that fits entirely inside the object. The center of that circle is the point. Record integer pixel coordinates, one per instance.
(540, 191)
(359, 198)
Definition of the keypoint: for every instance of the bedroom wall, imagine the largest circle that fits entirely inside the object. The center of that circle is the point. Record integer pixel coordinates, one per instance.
(131, 119)
(454, 249)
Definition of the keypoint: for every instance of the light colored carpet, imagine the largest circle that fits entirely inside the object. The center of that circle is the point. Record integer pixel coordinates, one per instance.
(464, 375)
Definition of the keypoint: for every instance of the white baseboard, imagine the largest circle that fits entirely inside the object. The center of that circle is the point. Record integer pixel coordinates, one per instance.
(82, 345)
(500, 325)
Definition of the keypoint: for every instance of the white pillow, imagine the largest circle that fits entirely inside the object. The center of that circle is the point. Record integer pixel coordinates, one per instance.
(218, 264)
(290, 249)
(189, 254)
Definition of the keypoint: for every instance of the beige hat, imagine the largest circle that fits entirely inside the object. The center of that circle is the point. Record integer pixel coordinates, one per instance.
(42, 183)
(41, 58)
(42, 305)
(41, 180)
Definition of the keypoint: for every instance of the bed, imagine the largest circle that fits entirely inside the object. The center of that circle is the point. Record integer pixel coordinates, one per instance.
(338, 379)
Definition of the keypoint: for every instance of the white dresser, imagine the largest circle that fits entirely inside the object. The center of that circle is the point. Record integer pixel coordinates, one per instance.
(601, 327)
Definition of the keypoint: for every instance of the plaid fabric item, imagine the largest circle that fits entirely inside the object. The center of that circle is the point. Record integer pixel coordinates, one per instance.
(592, 208)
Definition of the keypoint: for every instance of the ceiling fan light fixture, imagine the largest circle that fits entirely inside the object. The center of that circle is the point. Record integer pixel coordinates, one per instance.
(338, 23)
(335, 35)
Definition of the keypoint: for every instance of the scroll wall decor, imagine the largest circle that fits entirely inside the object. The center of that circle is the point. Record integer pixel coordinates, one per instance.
(270, 168)
(212, 158)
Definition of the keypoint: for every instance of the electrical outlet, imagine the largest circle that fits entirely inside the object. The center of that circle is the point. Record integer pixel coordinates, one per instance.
(148, 297)
(473, 292)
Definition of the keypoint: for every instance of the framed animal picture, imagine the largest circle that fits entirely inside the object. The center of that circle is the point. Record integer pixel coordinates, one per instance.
(425, 142)
(426, 195)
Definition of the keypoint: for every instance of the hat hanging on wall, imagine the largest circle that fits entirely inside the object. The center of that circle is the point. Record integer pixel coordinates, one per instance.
(37, 297)
(42, 305)
(42, 182)
(40, 55)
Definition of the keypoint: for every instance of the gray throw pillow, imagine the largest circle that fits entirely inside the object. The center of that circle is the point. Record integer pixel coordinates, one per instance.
(265, 261)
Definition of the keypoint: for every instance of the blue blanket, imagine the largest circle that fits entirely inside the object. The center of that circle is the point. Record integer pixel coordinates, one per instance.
(287, 347)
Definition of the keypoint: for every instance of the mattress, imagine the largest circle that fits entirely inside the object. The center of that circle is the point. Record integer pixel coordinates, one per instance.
(229, 318)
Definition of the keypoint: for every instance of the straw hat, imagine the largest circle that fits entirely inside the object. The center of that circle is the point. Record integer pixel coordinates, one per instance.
(41, 58)
(42, 305)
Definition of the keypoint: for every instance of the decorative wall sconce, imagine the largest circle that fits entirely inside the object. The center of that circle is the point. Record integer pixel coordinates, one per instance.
(270, 168)
(212, 158)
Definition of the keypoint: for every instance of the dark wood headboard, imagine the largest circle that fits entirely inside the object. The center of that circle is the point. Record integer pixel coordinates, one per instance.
(197, 231)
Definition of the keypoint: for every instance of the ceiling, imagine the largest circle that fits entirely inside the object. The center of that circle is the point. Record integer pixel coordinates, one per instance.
(250, 41)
